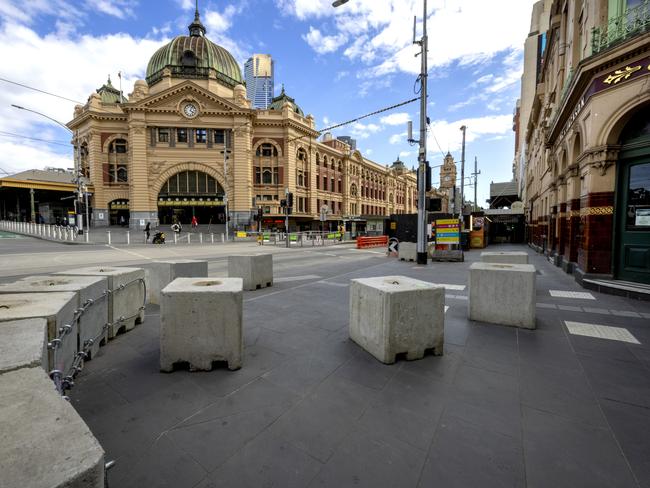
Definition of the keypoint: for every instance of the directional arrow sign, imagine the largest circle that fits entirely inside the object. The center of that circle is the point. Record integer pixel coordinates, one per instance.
(392, 245)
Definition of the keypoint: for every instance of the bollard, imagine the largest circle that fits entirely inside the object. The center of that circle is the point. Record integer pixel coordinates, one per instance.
(189, 238)
(66, 233)
(73, 235)
(108, 237)
(87, 234)
(201, 238)
(128, 237)
(175, 237)
(223, 239)
(212, 238)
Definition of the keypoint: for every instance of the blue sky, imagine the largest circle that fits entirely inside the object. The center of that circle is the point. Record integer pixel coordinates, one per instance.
(337, 63)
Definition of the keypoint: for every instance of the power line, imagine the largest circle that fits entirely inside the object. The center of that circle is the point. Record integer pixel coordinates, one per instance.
(41, 91)
(11, 134)
(386, 109)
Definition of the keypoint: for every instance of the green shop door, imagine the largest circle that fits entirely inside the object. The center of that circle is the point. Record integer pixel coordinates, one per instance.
(633, 220)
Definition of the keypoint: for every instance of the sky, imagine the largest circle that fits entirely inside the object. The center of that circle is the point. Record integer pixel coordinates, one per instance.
(338, 63)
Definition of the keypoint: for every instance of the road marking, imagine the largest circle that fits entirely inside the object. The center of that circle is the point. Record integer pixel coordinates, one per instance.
(286, 279)
(334, 283)
(601, 332)
(625, 313)
(451, 287)
(457, 297)
(602, 311)
(572, 294)
(545, 305)
(569, 308)
(130, 252)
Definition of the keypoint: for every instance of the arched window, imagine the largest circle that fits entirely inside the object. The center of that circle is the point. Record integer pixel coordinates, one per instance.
(267, 150)
(117, 172)
(353, 190)
(267, 176)
(188, 60)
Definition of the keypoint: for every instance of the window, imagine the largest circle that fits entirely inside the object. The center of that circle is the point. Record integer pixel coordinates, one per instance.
(325, 183)
(258, 175)
(122, 175)
(638, 196)
(189, 59)
(163, 135)
(181, 135)
(267, 176)
(117, 146)
(340, 186)
(219, 136)
(201, 136)
(332, 187)
(267, 150)
(301, 180)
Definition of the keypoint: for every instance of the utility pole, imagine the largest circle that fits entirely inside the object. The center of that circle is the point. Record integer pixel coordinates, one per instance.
(475, 175)
(225, 190)
(462, 178)
(422, 174)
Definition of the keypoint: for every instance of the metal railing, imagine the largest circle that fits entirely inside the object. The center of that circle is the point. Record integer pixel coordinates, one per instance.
(634, 21)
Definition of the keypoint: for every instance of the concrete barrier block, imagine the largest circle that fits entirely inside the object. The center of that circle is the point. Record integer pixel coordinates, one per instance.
(502, 293)
(451, 255)
(91, 292)
(125, 302)
(45, 444)
(57, 309)
(23, 344)
(162, 273)
(201, 322)
(504, 257)
(407, 251)
(391, 315)
(256, 270)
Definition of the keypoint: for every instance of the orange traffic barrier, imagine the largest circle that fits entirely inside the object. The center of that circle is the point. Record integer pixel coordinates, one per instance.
(364, 242)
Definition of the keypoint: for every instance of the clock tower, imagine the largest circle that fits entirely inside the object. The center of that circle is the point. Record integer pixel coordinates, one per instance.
(448, 173)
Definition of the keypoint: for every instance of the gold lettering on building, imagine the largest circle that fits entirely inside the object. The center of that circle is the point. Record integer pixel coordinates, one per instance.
(622, 74)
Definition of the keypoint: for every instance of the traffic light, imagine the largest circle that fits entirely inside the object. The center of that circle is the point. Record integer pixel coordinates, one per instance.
(434, 205)
(427, 177)
(290, 200)
(260, 214)
(283, 203)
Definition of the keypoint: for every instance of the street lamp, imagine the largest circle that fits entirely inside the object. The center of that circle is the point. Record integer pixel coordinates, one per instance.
(225, 153)
(77, 151)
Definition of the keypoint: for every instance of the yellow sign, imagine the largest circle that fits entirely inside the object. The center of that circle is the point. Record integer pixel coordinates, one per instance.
(393, 225)
(241, 234)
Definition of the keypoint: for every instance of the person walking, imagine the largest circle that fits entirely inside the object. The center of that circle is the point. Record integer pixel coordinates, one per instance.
(122, 221)
(195, 222)
(147, 232)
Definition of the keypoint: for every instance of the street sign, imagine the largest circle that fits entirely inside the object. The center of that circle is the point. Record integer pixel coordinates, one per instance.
(447, 231)
(393, 245)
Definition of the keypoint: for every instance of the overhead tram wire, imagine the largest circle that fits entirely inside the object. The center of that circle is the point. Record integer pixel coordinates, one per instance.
(18, 136)
(41, 91)
(386, 109)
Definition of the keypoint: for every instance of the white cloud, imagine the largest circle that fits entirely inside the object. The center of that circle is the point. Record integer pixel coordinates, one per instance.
(323, 44)
(68, 65)
(449, 133)
(405, 154)
(381, 31)
(399, 118)
(363, 131)
(117, 8)
(398, 138)
(186, 4)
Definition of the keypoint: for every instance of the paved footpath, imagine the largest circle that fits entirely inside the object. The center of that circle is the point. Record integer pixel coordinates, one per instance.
(502, 407)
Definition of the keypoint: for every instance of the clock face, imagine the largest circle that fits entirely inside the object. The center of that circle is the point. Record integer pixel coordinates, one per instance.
(190, 110)
(447, 178)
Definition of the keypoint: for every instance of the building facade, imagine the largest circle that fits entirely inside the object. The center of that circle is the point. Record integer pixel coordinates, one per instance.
(258, 71)
(187, 141)
(583, 152)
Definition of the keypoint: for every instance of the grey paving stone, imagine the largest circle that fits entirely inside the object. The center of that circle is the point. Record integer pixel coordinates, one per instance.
(442, 368)
(569, 308)
(466, 454)
(389, 422)
(547, 348)
(601, 311)
(626, 313)
(367, 371)
(545, 305)
(560, 391)
(267, 461)
(365, 461)
(631, 426)
(164, 465)
(565, 453)
(303, 373)
(213, 442)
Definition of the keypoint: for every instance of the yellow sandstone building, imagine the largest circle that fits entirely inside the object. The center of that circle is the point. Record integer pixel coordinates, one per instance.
(187, 142)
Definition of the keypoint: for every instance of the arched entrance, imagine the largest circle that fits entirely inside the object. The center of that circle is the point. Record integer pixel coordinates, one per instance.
(188, 194)
(118, 212)
(633, 201)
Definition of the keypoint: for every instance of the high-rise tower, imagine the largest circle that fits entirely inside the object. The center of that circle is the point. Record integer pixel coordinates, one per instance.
(258, 71)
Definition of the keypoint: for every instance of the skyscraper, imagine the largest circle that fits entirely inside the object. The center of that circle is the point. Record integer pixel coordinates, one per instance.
(259, 80)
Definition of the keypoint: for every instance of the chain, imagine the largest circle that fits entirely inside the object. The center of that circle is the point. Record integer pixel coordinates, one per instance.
(64, 382)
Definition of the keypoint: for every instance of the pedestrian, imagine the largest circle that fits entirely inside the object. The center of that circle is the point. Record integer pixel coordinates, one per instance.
(147, 232)
(195, 222)
(122, 221)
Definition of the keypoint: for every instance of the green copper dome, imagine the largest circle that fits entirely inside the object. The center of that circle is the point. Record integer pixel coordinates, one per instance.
(280, 100)
(194, 56)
